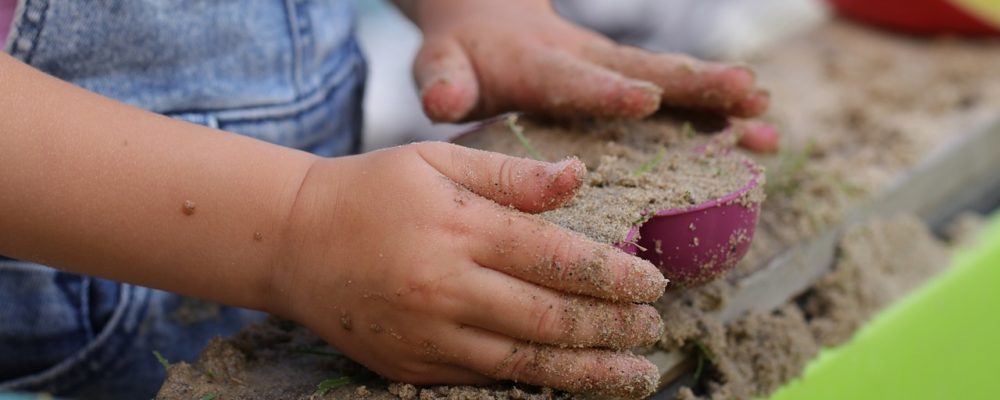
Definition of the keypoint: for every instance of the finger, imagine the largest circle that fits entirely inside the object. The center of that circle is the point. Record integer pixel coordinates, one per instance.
(687, 82)
(756, 135)
(559, 85)
(538, 251)
(440, 374)
(446, 80)
(500, 303)
(601, 372)
(528, 185)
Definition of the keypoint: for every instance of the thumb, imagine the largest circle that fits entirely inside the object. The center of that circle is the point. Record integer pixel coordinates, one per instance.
(528, 185)
(445, 79)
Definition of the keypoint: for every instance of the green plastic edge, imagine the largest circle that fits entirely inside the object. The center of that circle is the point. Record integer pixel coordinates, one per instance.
(941, 341)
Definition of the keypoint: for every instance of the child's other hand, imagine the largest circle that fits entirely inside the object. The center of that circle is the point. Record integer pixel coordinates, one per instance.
(415, 262)
(482, 57)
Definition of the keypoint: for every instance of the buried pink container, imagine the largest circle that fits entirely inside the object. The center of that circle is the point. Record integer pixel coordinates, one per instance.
(696, 244)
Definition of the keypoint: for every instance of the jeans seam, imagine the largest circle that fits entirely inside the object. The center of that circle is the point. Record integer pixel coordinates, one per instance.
(21, 35)
(67, 373)
(84, 309)
(293, 32)
(300, 104)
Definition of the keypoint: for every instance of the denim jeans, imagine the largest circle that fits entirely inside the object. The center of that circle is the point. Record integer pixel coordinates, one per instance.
(284, 71)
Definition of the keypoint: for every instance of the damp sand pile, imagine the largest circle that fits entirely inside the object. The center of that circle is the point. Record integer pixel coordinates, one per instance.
(856, 108)
(278, 359)
(879, 262)
(635, 169)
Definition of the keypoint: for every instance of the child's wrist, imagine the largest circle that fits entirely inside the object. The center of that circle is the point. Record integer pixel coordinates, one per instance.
(293, 222)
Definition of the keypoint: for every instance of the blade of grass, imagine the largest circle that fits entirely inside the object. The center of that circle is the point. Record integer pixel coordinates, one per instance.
(163, 360)
(703, 354)
(511, 122)
(649, 165)
(332, 383)
(687, 130)
(209, 396)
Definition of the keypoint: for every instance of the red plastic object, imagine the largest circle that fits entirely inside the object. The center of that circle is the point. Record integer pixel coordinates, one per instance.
(915, 16)
(694, 245)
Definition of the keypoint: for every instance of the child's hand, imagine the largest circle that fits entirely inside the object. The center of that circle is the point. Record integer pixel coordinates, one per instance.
(482, 57)
(415, 262)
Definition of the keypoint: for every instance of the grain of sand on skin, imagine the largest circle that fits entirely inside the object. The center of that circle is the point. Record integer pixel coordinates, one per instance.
(188, 207)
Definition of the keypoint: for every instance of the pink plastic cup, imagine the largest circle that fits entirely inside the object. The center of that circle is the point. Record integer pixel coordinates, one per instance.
(695, 245)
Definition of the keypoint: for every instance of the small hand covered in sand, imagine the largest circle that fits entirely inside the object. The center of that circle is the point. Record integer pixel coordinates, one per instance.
(415, 262)
(483, 57)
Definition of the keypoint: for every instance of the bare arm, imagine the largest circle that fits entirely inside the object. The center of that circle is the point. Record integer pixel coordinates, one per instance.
(95, 186)
(416, 247)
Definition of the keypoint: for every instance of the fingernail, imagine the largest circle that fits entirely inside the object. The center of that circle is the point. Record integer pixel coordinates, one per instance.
(441, 79)
(557, 170)
(644, 102)
(654, 328)
(654, 284)
(754, 104)
(650, 88)
(750, 71)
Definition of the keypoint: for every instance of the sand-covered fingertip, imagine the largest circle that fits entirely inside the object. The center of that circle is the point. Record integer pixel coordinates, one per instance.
(625, 326)
(639, 99)
(561, 181)
(653, 324)
(635, 279)
(636, 380)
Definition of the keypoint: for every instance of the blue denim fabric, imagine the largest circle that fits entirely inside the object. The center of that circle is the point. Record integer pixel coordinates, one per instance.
(285, 71)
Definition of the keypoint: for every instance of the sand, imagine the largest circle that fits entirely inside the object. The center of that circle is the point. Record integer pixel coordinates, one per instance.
(879, 262)
(856, 107)
(279, 359)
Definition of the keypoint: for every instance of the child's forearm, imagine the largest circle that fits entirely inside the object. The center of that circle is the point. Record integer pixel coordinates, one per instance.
(94, 186)
(422, 12)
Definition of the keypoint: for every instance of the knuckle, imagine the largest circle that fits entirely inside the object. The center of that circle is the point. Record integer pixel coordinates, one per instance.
(463, 162)
(458, 227)
(518, 363)
(560, 250)
(422, 288)
(504, 184)
(549, 322)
